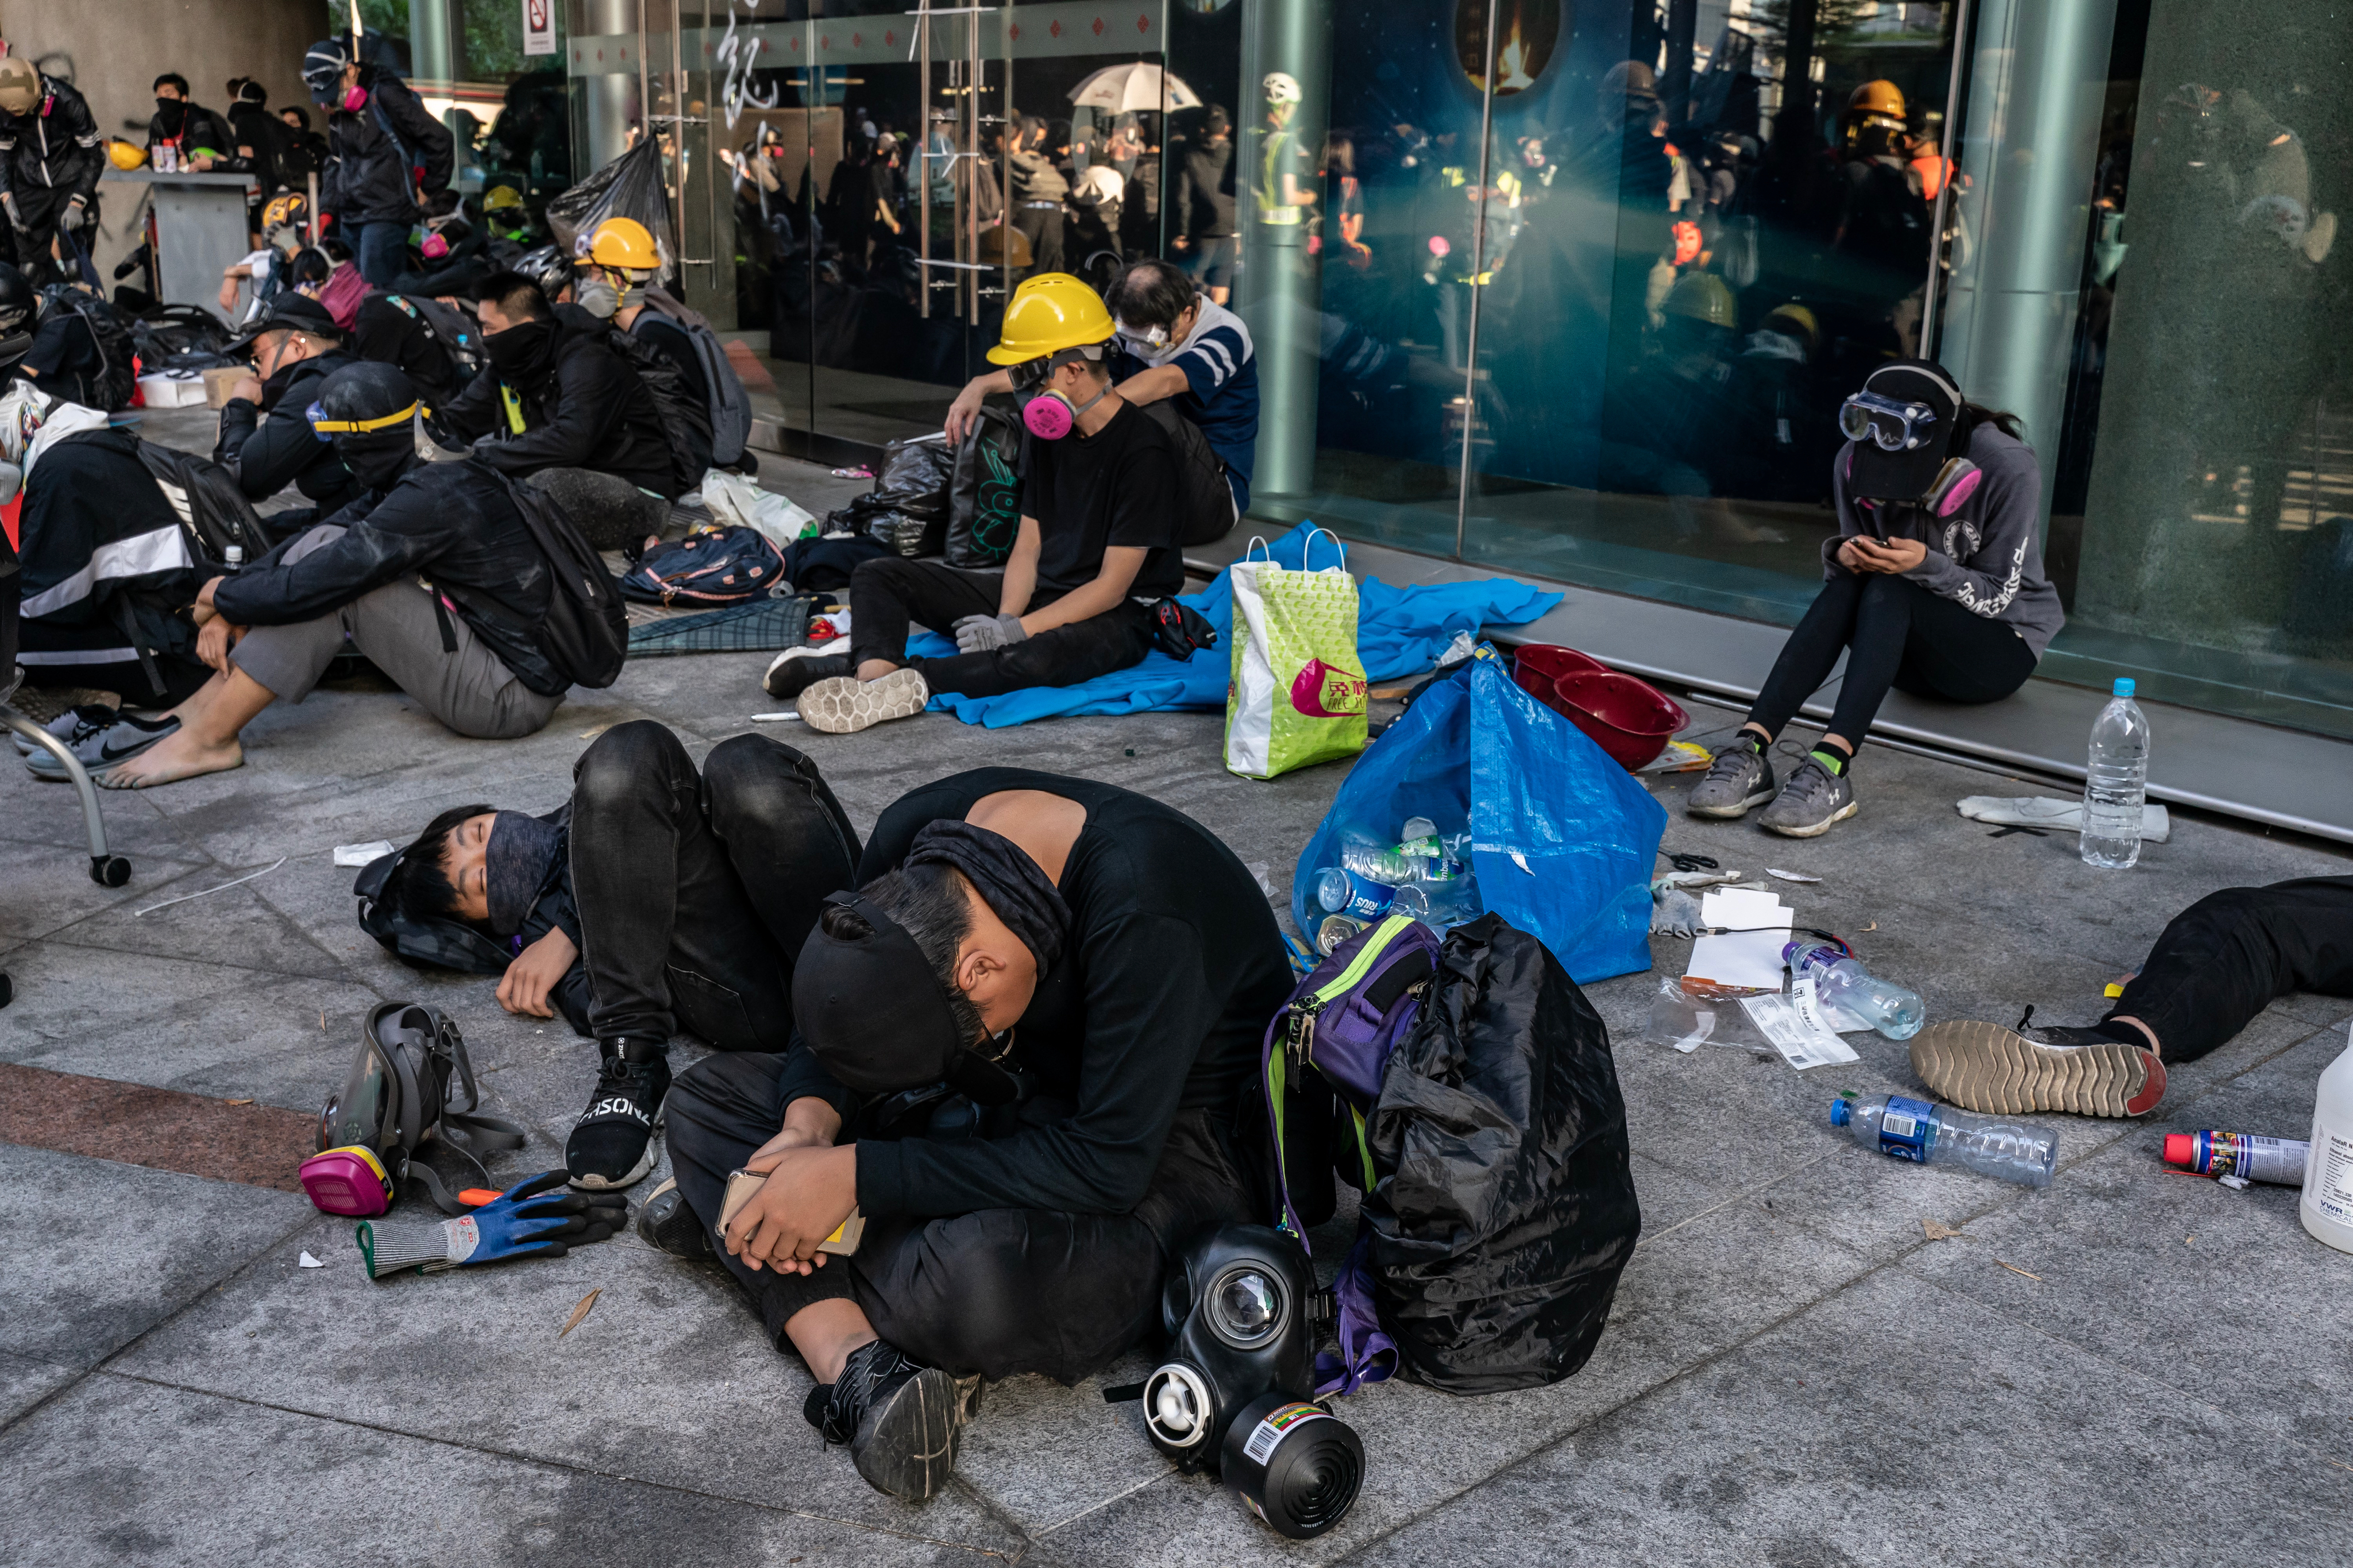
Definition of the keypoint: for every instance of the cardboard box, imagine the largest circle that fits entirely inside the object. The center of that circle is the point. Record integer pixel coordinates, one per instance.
(218, 380)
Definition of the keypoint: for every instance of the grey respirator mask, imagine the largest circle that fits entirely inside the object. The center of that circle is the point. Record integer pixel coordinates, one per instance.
(1242, 1313)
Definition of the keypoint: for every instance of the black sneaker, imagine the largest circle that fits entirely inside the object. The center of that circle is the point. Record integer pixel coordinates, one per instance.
(667, 1223)
(798, 668)
(900, 1419)
(612, 1144)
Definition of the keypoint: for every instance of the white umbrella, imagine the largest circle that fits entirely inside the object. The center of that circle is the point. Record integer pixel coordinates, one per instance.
(1123, 89)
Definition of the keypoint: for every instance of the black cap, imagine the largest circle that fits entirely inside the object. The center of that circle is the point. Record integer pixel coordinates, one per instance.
(1907, 473)
(290, 311)
(872, 1008)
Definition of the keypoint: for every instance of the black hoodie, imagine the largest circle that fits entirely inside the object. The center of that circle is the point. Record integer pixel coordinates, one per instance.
(371, 155)
(582, 406)
(268, 455)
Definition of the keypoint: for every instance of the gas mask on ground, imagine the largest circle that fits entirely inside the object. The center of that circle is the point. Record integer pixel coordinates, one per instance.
(1242, 1313)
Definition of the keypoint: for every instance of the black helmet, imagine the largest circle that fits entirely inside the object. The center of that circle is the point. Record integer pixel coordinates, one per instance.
(368, 411)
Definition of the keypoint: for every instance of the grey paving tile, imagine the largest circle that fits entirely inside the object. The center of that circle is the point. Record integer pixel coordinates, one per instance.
(122, 1471)
(668, 1380)
(25, 1383)
(45, 887)
(1900, 1424)
(99, 1253)
(233, 925)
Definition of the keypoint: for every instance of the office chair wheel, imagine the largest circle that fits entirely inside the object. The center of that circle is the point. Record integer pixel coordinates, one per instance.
(109, 870)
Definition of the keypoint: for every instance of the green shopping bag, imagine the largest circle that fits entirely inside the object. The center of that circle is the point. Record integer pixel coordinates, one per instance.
(1297, 696)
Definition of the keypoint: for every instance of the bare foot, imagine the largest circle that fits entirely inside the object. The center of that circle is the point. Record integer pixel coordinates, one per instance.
(184, 756)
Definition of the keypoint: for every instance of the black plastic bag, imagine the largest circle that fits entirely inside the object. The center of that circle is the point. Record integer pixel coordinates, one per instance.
(907, 509)
(1505, 1211)
(628, 186)
(1205, 503)
(985, 495)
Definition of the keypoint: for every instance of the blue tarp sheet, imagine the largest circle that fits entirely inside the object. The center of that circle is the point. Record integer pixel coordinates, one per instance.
(1399, 632)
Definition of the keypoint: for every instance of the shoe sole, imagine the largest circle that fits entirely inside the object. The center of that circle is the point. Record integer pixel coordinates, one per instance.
(1741, 808)
(1815, 829)
(843, 704)
(678, 1232)
(1986, 1067)
(908, 1447)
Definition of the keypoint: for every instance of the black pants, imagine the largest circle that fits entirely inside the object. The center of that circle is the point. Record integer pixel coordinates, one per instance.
(997, 1291)
(697, 890)
(1898, 634)
(887, 595)
(2231, 954)
(1042, 226)
(41, 207)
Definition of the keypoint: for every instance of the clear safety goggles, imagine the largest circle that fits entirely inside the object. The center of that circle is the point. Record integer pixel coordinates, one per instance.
(1142, 339)
(1896, 425)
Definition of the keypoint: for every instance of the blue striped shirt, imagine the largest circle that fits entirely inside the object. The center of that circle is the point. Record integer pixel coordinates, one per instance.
(1221, 388)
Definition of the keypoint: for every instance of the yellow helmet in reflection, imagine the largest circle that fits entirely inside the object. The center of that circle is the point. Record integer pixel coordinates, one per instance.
(1703, 297)
(1876, 98)
(1048, 313)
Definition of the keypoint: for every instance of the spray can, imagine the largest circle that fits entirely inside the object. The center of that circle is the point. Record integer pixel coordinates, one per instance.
(2247, 1156)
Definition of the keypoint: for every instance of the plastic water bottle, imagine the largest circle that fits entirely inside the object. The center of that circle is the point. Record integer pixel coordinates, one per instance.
(1928, 1134)
(2115, 781)
(1441, 904)
(233, 557)
(1385, 864)
(1843, 983)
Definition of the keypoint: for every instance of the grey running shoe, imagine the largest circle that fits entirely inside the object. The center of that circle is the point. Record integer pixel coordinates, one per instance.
(73, 725)
(1810, 802)
(100, 748)
(845, 705)
(2009, 1072)
(1739, 778)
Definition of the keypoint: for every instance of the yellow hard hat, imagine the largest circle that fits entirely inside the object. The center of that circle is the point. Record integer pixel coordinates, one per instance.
(126, 155)
(1796, 319)
(1876, 98)
(1050, 312)
(502, 197)
(283, 210)
(621, 242)
(1702, 296)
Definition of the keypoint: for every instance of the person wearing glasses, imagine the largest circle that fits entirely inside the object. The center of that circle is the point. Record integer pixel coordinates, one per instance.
(1934, 585)
(467, 648)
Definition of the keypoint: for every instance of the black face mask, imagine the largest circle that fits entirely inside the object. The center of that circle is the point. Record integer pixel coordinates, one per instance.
(519, 347)
(171, 115)
(517, 859)
(378, 458)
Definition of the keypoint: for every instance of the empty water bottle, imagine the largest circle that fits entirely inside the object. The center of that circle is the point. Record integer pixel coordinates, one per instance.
(1842, 981)
(1441, 904)
(1382, 863)
(2115, 782)
(1929, 1134)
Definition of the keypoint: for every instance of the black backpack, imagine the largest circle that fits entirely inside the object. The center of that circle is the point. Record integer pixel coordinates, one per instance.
(111, 389)
(729, 411)
(212, 509)
(985, 495)
(450, 327)
(686, 423)
(587, 632)
(1205, 503)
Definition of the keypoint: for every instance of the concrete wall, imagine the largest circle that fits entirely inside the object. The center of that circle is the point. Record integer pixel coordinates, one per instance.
(111, 49)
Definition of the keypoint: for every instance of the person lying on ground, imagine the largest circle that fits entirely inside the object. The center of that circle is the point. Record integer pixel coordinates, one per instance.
(1934, 585)
(467, 648)
(266, 440)
(1096, 551)
(559, 404)
(2216, 964)
(1174, 342)
(1024, 1047)
(660, 899)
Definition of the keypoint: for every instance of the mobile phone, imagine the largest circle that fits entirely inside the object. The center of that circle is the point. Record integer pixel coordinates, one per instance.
(742, 1184)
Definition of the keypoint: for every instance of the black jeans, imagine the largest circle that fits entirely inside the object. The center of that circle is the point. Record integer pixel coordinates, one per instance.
(697, 890)
(997, 1291)
(1898, 634)
(888, 595)
(2231, 954)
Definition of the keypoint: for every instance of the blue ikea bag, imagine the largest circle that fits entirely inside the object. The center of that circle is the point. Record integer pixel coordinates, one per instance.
(1562, 838)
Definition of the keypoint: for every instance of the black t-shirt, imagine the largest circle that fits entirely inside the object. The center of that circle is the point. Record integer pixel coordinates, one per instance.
(1160, 1002)
(1091, 493)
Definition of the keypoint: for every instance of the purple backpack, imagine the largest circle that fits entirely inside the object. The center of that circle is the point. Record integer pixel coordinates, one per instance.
(1341, 1024)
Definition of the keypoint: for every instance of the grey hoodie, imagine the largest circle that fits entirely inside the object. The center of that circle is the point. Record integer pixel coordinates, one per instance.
(1985, 556)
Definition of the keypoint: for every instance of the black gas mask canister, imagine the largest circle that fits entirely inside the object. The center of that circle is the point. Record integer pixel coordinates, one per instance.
(1242, 1313)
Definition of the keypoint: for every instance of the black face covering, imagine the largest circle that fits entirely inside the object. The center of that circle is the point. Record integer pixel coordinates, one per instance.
(871, 1006)
(172, 114)
(516, 863)
(519, 347)
(379, 457)
(1014, 886)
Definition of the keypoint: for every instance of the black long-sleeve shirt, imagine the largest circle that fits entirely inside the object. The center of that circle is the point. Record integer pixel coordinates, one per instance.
(268, 454)
(59, 151)
(582, 405)
(1160, 1002)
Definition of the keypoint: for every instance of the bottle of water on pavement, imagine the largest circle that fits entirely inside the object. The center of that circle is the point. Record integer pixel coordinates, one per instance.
(2115, 781)
(1843, 983)
(1928, 1134)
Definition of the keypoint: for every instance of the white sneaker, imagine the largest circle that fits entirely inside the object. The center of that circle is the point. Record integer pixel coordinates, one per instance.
(845, 705)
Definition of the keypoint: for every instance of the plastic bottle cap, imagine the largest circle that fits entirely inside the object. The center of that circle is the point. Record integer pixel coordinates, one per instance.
(2124, 687)
(2180, 1149)
(1842, 1113)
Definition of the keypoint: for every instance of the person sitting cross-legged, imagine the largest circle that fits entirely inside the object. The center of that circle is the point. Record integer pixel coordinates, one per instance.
(1097, 548)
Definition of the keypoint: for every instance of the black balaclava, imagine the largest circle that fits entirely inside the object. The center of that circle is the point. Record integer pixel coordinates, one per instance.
(382, 400)
(516, 863)
(871, 1008)
(1014, 886)
(171, 115)
(517, 350)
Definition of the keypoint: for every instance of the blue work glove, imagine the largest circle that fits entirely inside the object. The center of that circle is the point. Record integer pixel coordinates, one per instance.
(528, 1220)
(978, 634)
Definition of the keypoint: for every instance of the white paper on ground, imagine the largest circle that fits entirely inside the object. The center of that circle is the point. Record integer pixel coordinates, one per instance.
(362, 854)
(1789, 876)
(310, 1262)
(2060, 816)
(1752, 956)
(1801, 1043)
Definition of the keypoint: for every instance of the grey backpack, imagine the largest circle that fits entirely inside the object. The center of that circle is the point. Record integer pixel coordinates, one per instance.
(730, 410)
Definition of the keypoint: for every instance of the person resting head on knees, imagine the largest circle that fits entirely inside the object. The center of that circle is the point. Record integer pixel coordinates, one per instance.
(1933, 585)
(266, 440)
(1022, 1050)
(468, 649)
(1096, 551)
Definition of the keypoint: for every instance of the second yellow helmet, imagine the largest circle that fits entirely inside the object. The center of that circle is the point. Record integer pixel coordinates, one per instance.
(622, 242)
(1048, 313)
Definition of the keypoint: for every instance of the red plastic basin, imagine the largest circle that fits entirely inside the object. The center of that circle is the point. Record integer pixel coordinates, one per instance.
(1539, 666)
(1628, 718)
